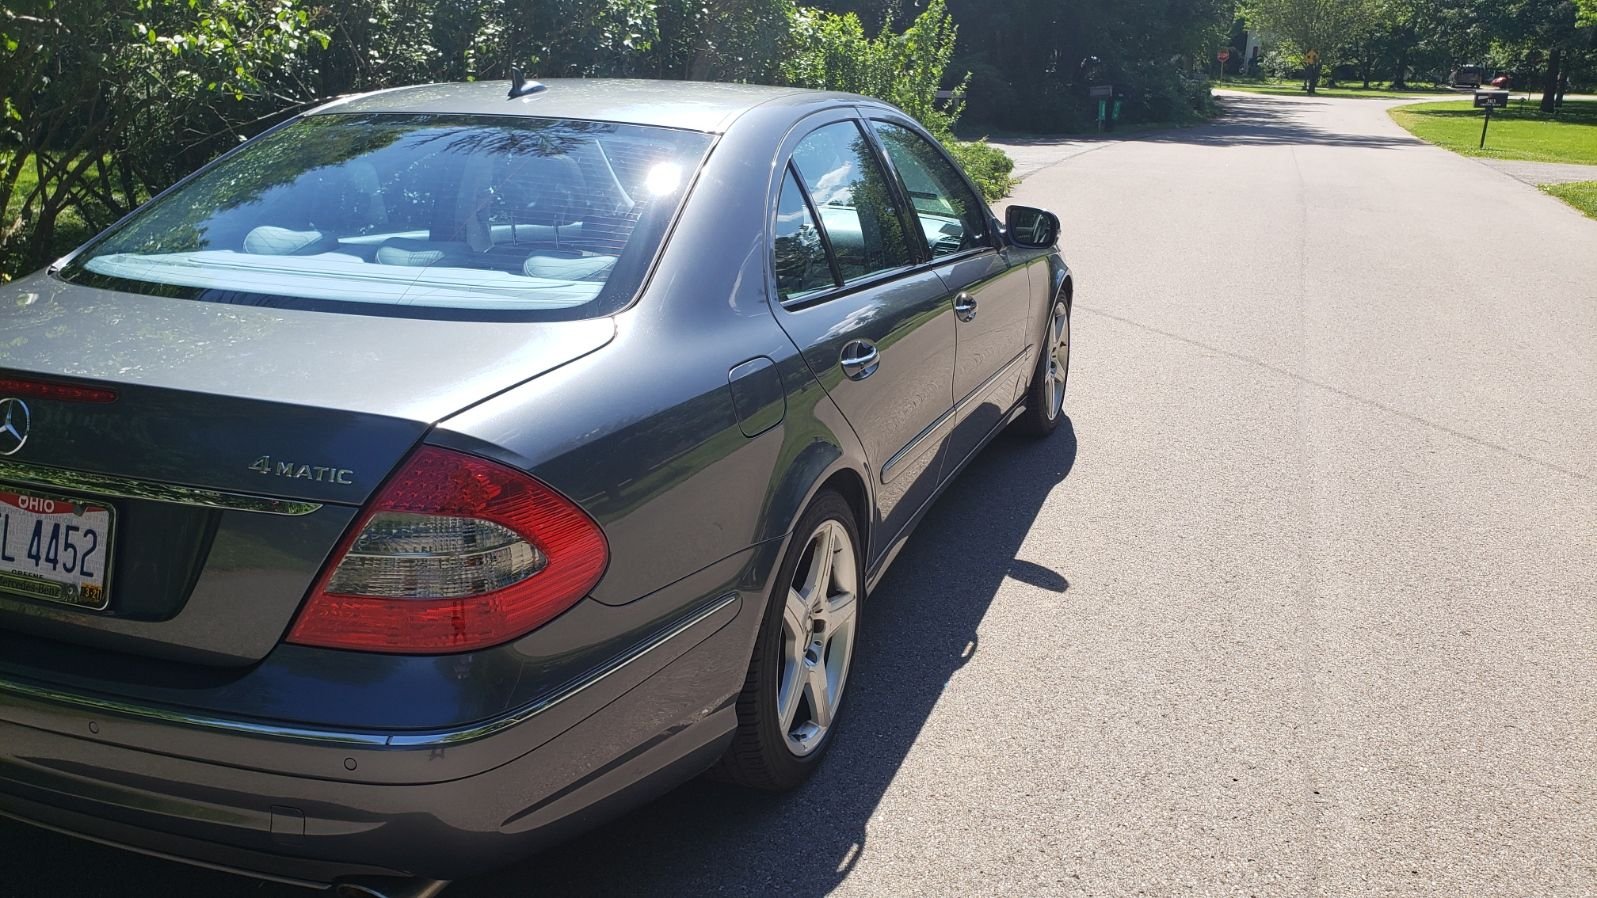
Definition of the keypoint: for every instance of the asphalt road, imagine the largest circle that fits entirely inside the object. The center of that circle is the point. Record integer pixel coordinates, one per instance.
(1301, 603)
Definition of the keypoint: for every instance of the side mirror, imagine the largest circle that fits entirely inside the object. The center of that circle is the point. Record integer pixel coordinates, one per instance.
(1036, 228)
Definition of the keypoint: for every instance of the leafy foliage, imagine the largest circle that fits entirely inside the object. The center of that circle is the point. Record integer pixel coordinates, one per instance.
(1536, 42)
(833, 52)
(987, 165)
(103, 99)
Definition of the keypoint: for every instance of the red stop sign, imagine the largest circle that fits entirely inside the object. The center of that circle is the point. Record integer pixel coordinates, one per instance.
(1224, 55)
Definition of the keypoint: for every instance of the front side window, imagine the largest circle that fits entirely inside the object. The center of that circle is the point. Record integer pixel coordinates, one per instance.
(851, 196)
(951, 217)
(413, 214)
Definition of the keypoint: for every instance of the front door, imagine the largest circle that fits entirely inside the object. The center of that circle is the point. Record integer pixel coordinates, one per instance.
(876, 330)
(990, 298)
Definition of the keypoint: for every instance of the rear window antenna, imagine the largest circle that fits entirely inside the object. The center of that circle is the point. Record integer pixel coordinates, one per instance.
(521, 87)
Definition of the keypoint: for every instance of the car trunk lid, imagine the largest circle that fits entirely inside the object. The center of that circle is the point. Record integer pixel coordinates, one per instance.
(239, 445)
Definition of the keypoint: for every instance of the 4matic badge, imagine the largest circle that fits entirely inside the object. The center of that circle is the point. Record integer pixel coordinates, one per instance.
(318, 473)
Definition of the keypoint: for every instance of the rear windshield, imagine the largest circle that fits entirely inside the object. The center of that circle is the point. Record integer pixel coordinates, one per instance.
(437, 216)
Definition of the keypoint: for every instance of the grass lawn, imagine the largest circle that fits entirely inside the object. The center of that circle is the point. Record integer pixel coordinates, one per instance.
(1285, 88)
(1516, 133)
(1582, 195)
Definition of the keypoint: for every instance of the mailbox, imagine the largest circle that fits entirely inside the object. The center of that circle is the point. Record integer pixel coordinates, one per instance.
(1491, 99)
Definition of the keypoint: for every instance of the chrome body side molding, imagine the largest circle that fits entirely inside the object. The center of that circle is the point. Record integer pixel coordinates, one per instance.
(81, 482)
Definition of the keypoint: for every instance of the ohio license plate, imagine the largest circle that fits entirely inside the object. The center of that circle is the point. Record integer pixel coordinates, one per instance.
(54, 549)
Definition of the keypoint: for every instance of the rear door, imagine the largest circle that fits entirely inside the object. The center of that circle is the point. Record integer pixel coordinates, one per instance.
(876, 329)
(991, 299)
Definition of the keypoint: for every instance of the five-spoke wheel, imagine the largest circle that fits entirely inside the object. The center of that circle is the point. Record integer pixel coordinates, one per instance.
(793, 693)
(817, 637)
(1045, 398)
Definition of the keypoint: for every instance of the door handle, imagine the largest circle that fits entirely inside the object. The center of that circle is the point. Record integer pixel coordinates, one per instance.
(965, 306)
(860, 359)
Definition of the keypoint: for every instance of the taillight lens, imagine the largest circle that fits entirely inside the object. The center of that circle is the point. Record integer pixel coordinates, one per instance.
(455, 553)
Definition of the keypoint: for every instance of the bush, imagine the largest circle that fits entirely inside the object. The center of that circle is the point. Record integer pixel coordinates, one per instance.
(1162, 93)
(832, 52)
(987, 165)
(1200, 97)
(1281, 64)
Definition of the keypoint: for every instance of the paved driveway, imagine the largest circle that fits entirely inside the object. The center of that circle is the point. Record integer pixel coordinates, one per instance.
(1301, 604)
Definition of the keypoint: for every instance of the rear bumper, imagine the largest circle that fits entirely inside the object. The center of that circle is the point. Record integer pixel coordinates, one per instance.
(311, 812)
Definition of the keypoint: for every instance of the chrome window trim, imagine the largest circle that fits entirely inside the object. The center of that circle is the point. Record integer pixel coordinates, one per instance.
(105, 485)
(320, 736)
(863, 282)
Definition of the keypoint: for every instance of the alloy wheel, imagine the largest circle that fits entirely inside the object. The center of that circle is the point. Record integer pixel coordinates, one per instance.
(1058, 360)
(817, 637)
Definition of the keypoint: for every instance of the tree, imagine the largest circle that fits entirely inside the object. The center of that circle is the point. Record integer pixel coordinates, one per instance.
(1314, 28)
(104, 99)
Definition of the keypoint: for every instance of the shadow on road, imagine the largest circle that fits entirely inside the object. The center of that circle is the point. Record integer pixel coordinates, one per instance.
(1267, 121)
(1244, 121)
(920, 627)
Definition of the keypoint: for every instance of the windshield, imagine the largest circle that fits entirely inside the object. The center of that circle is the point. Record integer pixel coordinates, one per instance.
(443, 216)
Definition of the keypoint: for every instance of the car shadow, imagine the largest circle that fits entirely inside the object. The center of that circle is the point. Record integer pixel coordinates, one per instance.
(920, 628)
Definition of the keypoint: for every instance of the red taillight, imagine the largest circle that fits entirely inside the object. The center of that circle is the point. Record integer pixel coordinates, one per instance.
(48, 389)
(455, 553)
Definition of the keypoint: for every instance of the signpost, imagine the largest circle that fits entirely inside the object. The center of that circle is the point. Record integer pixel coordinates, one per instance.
(1224, 56)
(1103, 93)
(1489, 100)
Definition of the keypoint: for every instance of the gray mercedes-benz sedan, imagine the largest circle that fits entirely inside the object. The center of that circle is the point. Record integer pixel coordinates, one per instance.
(450, 467)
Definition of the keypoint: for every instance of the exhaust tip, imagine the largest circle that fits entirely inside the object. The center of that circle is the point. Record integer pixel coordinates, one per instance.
(388, 887)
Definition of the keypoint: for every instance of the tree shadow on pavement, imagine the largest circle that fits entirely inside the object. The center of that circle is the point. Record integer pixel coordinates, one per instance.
(920, 627)
(1255, 121)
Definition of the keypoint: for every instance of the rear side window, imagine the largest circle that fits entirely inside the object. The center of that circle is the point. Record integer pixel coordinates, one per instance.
(800, 261)
(951, 218)
(432, 215)
(851, 196)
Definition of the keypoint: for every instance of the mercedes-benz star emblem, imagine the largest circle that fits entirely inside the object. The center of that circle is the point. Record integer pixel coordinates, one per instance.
(14, 420)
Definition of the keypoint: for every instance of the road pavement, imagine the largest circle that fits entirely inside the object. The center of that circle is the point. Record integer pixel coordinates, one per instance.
(1300, 603)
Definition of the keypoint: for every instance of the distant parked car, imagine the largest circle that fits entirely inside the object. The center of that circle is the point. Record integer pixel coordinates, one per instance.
(446, 469)
(1468, 76)
(1503, 82)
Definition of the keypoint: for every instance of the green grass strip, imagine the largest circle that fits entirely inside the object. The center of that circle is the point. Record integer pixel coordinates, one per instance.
(1516, 132)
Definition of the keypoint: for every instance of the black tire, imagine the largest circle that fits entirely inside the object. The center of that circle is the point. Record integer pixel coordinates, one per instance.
(760, 755)
(1042, 415)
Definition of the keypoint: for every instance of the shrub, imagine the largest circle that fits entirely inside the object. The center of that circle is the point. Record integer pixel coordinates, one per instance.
(832, 52)
(986, 164)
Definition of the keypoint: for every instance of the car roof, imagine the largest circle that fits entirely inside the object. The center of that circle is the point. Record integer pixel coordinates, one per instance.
(692, 105)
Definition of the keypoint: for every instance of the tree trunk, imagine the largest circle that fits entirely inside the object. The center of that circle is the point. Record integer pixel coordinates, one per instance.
(1400, 77)
(1555, 60)
(1314, 79)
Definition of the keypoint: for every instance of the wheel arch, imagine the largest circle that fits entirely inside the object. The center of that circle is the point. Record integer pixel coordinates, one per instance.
(823, 465)
(851, 486)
